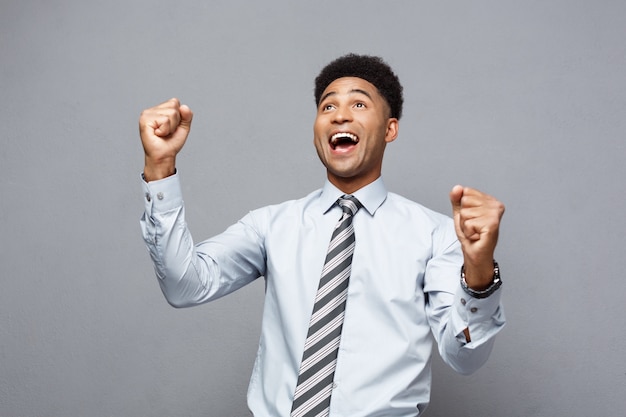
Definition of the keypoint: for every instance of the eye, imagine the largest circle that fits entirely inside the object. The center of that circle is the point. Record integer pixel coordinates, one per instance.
(327, 107)
(359, 105)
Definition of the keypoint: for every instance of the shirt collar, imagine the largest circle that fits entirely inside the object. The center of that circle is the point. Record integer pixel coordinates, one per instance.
(371, 196)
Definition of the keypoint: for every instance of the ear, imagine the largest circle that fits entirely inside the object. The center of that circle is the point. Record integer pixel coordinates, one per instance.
(392, 129)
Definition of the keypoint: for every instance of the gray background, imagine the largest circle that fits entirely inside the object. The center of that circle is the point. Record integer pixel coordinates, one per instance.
(525, 100)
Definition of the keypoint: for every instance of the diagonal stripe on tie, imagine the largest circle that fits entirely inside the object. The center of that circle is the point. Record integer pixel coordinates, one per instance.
(317, 369)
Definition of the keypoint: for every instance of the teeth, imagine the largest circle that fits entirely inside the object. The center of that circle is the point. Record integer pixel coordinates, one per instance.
(336, 137)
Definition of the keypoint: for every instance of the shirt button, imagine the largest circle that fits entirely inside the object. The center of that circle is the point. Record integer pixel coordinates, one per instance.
(334, 385)
(160, 196)
(463, 301)
(474, 309)
(148, 197)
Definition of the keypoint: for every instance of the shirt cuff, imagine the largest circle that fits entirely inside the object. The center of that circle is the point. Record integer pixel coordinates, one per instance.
(474, 310)
(162, 195)
(478, 314)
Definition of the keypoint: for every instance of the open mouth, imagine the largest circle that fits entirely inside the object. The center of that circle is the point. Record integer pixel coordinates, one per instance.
(343, 141)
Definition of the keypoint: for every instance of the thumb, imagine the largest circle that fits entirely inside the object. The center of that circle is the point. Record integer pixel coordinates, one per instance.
(186, 115)
(455, 198)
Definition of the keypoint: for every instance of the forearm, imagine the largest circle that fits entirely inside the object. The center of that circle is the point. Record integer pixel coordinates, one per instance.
(182, 277)
(193, 274)
(464, 327)
(468, 332)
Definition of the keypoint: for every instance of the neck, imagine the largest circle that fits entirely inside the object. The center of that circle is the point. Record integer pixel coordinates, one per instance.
(350, 185)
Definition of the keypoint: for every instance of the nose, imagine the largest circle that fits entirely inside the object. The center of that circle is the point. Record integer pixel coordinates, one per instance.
(342, 115)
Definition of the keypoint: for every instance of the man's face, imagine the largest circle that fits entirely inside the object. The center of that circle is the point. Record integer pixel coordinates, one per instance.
(351, 131)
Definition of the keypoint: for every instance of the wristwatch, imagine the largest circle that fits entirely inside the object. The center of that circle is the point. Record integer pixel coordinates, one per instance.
(495, 283)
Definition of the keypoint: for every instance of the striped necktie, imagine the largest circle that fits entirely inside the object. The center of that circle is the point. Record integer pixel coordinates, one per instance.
(317, 369)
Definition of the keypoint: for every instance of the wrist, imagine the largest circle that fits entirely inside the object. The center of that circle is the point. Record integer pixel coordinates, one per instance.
(478, 275)
(482, 291)
(154, 171)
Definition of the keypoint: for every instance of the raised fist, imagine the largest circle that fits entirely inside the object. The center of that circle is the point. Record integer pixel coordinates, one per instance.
(163, 129)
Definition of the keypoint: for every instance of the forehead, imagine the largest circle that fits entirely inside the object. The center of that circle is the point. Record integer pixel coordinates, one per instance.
(351, 85)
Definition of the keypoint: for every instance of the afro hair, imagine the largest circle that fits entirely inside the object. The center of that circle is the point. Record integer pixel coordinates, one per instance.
(369, 68)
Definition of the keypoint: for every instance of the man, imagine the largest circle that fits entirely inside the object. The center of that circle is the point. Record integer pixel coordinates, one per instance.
(355, 342)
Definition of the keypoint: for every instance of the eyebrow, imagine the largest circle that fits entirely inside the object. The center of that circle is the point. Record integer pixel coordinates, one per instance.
(353, 91)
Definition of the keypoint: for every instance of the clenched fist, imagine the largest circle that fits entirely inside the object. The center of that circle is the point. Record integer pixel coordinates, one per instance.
(163, 130)
(477, 221)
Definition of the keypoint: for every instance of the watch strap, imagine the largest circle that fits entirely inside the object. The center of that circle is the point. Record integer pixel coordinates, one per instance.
(495, 283)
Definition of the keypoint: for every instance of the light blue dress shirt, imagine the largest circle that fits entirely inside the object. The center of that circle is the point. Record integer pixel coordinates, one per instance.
(404, 285)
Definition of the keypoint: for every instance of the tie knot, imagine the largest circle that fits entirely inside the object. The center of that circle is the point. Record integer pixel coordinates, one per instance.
(349, 204)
